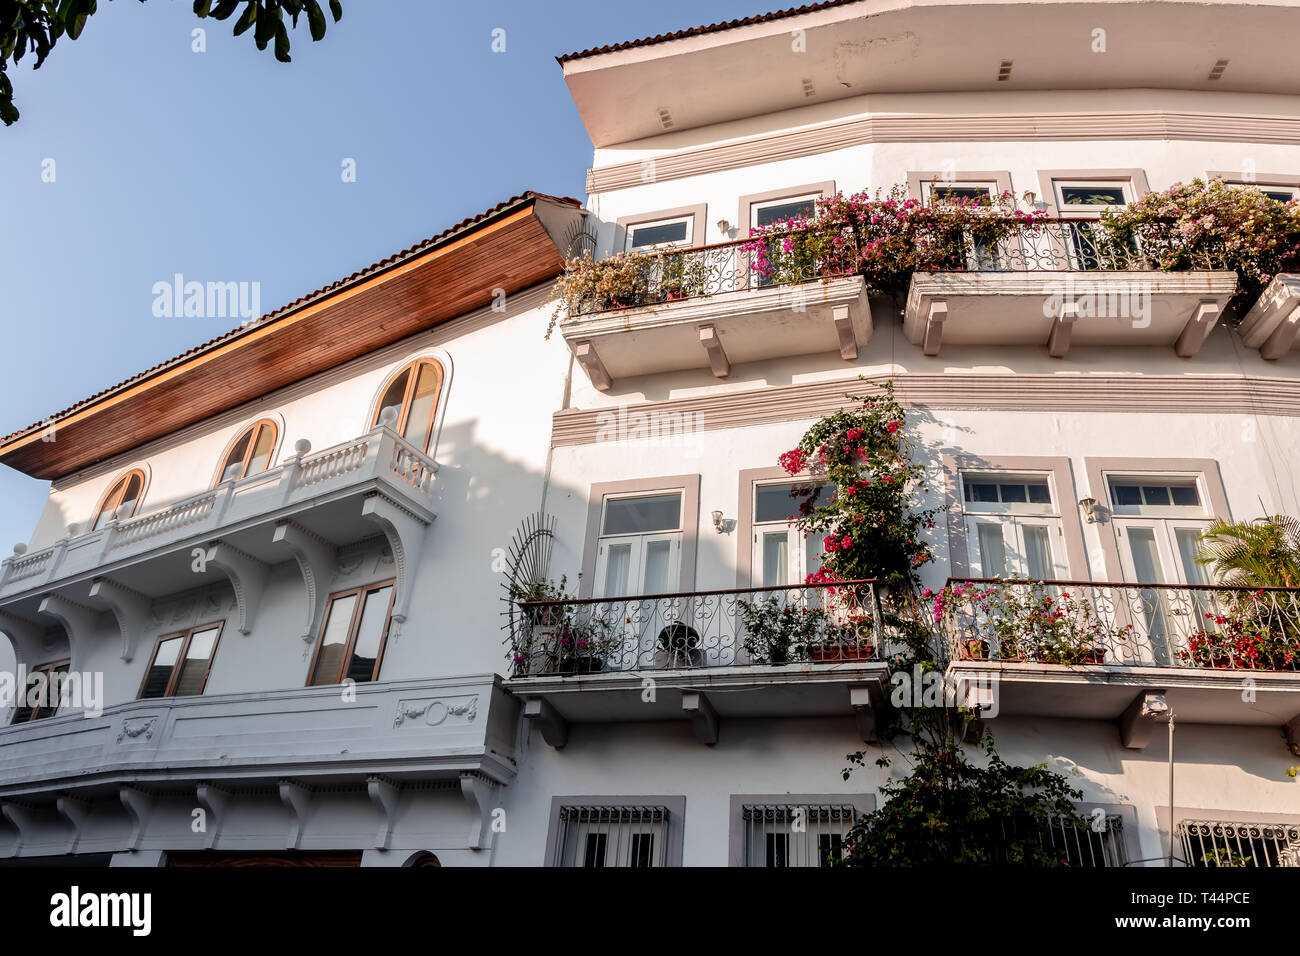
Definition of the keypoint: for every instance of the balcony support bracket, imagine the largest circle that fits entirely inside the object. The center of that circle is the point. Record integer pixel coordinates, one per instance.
(590, 361)
(404, 530)
(22, 817)
(130, 607)
(1281, 340)
(844, 330)
(554, 728)
(297, 799)
(28, 637)
(1058, 342)
(77, 619)
(214, 801)
(139, 805)
(315, 557)
(933, 338)
(384, 794)
(703, 717)
(75, 811)
(247, 576)
(1134, 728)
(718, 361)
(1197, 329)
(868, 703)
(477, 791)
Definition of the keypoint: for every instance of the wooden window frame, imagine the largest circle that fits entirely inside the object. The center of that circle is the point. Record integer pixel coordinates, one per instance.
(114, 494)
(403, 416)
(187, 636)
(36, 713)
(248, 454)
(353, 626)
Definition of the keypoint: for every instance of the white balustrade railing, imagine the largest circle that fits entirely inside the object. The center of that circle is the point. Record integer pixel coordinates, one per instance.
(380, 454)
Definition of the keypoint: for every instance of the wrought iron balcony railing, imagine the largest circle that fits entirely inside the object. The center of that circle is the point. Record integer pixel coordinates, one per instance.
(1154, 625)
(1004, 245)
(811, 623)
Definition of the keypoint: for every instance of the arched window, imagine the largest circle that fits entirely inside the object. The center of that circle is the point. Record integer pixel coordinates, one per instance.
(251, 452)
(121, 499)
(413, 394)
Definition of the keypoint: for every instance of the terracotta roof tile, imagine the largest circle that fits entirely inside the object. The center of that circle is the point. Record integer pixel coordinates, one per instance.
(310, 297)
(710, 28)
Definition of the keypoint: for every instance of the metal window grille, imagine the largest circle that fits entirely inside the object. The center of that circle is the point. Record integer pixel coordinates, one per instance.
(795, 834)
(1099, 842)
(612, 836)
(1220, 843)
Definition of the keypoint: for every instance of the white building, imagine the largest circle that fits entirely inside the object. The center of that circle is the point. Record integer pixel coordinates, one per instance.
(189, 519)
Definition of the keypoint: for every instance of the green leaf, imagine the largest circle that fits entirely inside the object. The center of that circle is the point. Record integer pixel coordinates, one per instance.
(281, 43)
(315, 20)
(224, 9)
(247, 20)
(201, 8)
(336, 9)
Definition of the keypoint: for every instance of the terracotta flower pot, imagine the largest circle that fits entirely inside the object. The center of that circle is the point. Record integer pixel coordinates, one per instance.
(841, 652)
(975, 650)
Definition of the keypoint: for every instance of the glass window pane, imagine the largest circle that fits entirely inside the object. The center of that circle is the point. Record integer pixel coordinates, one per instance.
(333, 641)
(160, 671)
(656, 581)
(616, 570)
(1125, 494)
(643, 515)
(976, 491)
(129, 496)
(654, 235)
(1146, 559)
(1155, 494)
(234, 465)
(1014, 493)
(1039, 493)
(776, 503)
(945, 191)
(370, 633)
(394, 395)
(1193, 573)
(420, 419)
(1280, 195)
(195, 666)
(1038, 553)
(766, 215)
(776, 559)
(993, 553)
(1185, 496)
(1092, 195)
(261, 459)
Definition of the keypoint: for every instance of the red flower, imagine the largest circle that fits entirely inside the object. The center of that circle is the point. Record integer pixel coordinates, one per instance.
(892, 427)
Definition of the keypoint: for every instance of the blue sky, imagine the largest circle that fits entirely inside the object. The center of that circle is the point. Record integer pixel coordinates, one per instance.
(226, 166)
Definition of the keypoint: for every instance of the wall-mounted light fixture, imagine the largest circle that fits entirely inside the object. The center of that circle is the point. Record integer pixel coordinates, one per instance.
(1089, 506)
(717, 522)
(724, 227)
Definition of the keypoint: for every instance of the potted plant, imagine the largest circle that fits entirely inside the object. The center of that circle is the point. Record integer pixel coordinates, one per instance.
(848, 639)
(776, 633)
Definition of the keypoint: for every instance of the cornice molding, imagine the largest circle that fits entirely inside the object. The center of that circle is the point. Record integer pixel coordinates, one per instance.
(1194, 394)
(938, 128)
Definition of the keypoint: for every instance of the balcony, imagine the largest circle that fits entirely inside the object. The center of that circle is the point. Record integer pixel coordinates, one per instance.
(1095, 650)
(302, 741)
(303, 510)
(706, 656)
(710, 307)
(1060, 283)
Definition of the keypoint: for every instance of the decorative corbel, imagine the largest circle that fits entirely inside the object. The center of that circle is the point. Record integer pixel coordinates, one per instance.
(404, 530)
(297, 799)
(384, 795)
(27, 637)
(848, 338)
(1198, 328)
(132, 610)
(477, 791)
(315, 557)
(554, 728)
(718, 361)
(214, 800)
(703, 717)
(75, 811)
(22, 817)
(247, 576)
(1058, 340)
(590, 361)
(139, 806)
(77, 619)
(933, 338)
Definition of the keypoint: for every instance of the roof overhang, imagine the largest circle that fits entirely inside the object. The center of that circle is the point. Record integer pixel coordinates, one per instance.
(513, 246)
(708, 75)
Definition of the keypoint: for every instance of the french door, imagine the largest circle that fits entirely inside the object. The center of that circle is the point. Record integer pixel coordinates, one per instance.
(1161, 551)
(1017, 546)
